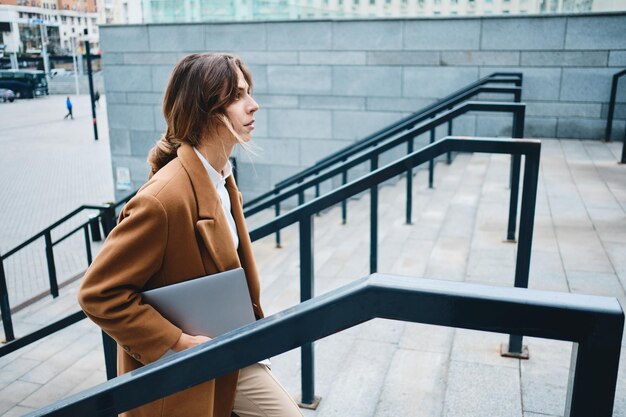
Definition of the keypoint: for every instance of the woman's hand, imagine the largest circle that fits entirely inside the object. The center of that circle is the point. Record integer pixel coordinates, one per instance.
(186, 341)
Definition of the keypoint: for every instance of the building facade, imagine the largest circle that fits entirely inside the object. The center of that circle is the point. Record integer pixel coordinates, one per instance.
(179, 11)
(323, 84)
(61, 22)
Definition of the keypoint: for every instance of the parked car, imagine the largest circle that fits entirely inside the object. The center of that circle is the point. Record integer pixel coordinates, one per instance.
(7, 95)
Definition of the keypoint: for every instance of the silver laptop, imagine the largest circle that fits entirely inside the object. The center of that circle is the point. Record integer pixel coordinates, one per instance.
(207, 306)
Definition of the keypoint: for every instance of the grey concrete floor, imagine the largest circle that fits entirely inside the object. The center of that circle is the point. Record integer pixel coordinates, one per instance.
(387, 368)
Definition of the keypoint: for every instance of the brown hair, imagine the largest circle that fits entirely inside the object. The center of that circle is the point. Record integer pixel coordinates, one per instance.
(197, 94)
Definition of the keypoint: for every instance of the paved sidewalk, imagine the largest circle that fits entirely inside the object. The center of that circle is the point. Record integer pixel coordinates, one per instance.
(385, 368)
(50, 166)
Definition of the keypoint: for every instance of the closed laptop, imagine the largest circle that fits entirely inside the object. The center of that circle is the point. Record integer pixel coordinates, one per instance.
(207, 306)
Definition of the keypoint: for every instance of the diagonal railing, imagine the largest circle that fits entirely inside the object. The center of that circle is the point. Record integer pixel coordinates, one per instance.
(304, 215)
(91, 231)
(446, 103)
(407, 137)
(594, 324)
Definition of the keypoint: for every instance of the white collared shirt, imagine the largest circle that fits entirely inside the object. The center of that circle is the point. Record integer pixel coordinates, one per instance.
(219, 180)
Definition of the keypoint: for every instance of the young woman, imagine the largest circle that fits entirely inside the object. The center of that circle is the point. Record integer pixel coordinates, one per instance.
(185, 222)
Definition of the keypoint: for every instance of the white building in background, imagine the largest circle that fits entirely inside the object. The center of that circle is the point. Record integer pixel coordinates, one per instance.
(162, 11)
(20, 27)
(119, 12)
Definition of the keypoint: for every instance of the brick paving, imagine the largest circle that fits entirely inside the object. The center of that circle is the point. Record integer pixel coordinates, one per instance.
(50, 166)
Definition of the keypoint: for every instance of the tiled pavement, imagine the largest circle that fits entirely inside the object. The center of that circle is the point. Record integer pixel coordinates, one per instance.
(50, 166)
(386, 368)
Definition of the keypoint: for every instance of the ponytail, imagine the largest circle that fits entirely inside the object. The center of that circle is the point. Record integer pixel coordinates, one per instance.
(162, 153)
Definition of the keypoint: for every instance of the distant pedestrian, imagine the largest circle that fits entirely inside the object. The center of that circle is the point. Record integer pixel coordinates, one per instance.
(96, 98)
(68, 104)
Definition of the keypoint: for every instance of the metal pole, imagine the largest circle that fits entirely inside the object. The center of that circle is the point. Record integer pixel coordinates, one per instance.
(52, 272)
(91, 91)
(317, 194)
(44, 50)
(623, 161)
(518, 133)
(344, 203)
(306, 293)
(374, 220)
(75, 63)
(524, 246)
(431, 163)
(108, 219)
(88, 243)
(277, 213)
(449, 154)
(110, 355)
(609, 118)
(591, 386)
(5, 306)
(409, 185)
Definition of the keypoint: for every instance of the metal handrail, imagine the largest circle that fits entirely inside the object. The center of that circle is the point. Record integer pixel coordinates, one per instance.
(408, 122)
(593, 323)
(407, 137)
(609, 118)
(304, 214)
(398, 139)
(106, 216)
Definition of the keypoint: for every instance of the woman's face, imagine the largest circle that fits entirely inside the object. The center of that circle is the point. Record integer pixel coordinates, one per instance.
(241, 111)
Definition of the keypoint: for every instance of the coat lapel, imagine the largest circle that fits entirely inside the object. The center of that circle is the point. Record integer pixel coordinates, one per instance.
(211, 226)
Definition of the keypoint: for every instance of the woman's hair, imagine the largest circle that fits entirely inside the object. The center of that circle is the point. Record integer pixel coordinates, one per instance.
(197, 94)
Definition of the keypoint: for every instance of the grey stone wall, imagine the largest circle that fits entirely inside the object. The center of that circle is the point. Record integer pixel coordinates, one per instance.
(321, 85)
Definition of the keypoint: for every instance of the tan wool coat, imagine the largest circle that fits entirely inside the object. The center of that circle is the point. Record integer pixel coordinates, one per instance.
(173, 230)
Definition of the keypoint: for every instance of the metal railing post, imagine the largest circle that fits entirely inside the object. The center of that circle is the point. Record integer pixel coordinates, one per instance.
(449, 154)
(108, 219)
(524, 245)
(52, 271)
(431, 163)
(374, 219)
(307, 357)
(409, 186)
(518, 133)
(344, 203)
(593, 377)
(623, 160)
(94, 225)
(317, 194)
(277, 213)
(609, 118)
(5, 306)
(88, 243)
(110, 355)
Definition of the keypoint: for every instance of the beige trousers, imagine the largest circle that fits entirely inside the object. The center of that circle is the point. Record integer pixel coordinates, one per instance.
(259, 394)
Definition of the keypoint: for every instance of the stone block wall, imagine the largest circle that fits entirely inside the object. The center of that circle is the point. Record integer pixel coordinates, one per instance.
(323, 84)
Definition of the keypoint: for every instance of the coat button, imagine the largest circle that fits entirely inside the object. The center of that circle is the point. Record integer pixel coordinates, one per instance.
(136, 356)
(126, 348)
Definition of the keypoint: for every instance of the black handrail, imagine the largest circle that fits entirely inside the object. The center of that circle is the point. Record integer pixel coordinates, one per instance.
(407, 137)
(105, 216)
(304, 214)
(609, 118)
(594, 324)
(445, 103)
